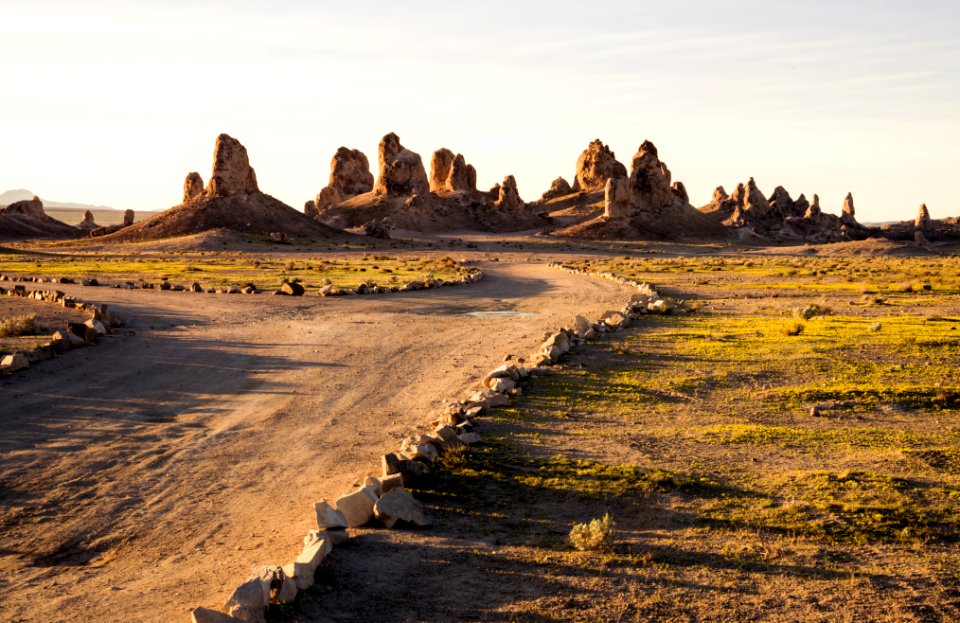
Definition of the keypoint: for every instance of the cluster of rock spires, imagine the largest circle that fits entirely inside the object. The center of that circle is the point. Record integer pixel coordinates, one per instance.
(403, 196)
(26, 219)
(231, 200)
(780, 218)
(643, 204)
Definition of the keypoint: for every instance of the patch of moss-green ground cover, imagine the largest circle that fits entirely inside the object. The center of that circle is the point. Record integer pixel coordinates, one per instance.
(224, 269)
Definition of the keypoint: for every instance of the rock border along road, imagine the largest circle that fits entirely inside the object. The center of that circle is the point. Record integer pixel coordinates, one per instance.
(143, 477)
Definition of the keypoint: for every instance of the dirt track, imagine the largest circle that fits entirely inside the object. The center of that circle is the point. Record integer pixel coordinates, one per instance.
(153, 472)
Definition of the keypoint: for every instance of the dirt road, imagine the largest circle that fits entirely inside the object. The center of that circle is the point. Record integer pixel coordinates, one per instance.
(151, 473)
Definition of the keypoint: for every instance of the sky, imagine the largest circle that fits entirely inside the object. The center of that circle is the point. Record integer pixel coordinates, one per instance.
(113, 103)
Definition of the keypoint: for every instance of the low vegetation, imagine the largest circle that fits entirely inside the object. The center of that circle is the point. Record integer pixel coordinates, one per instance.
(222, 270)
(751, 476)
(21, 326)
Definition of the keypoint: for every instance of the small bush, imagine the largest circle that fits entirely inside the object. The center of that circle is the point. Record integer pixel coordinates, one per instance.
(22, 325)
(593, 536)
(794, 328)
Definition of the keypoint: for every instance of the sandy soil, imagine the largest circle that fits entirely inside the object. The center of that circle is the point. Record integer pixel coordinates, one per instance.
(152, 473)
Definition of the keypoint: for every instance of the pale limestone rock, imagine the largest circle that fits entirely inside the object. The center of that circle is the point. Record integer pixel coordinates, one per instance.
(399, 506)
(316, 547)
(206, 615)
(595, 166)
(357, 506)
(329, 518)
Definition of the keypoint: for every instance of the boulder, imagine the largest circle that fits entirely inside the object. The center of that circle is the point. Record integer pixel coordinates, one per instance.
(329, 518)
(14, 362)
(292, 288)
(470, 438)
(391, 482)
(192, 187)
(206, 615)
(558, 188)
(232, 173)
(316, 547)
(98, 329)
(595, 166)
(357, 506)
(248, 601)
(415, 450)
(401, 170)
(73, 341)
(922, 222)
(399, 506)
(502, 385)
(128, 217)
(582, 327)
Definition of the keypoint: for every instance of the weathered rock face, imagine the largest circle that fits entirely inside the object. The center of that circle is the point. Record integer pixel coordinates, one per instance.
(451, 173)
(128, 217)
(28, 207)
(813, 212)
(719, 194)
(781, 202)
(754, 202)
(232, 173)
(848, 216)
(650, 184)
(87, 224)
(401, 170)
(310, 209)
(558, 188)
(440, 165)
(509, 196)
(616, 198)
(595, 166)
(350, 172)
(922, 221)
(680, 192)
(192, 186)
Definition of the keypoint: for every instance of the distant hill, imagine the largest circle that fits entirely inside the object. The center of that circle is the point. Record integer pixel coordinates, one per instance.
(21, 194)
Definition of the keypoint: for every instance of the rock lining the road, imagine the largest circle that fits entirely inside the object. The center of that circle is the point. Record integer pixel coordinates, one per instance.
(74, 335)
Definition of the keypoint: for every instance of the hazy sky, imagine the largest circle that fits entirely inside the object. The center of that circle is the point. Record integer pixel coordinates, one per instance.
(114, 102)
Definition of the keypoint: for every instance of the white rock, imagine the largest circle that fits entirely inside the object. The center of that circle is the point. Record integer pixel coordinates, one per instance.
(206, 615)
(316, 547)
(413, 450)
(502, 385)
(375, 483)
(329, 518)
(399, 505)
(248, 601)
(357, 506)
(97, 327)
(14, 362)
(505, 371)
(581, 326)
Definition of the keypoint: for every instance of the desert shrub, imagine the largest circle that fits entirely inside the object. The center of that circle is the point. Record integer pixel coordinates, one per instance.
(593, 536)
(794, 328)
(22, 325)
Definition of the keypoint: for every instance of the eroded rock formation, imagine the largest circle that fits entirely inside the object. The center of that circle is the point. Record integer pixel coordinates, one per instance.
(558, 188)
(451, 173)
(27, 207)
(88, 223)
(232, 173)
(595, 166)
(922, 221)
(192, 186)
(509, 196)
(401, 170)
(128, 217)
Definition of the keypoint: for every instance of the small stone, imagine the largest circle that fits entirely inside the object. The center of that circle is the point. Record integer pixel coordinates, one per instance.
(815, 411)
(391, 482)
(470, 438)
(316, 547)
(502, 385)
(206, 615)
(399, 506)
(875, 327)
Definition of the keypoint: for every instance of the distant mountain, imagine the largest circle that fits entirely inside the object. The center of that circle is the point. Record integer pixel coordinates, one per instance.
(20, 194)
